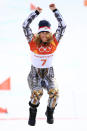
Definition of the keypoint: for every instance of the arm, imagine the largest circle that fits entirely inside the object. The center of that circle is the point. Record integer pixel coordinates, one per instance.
(26, 25)
(61, 25)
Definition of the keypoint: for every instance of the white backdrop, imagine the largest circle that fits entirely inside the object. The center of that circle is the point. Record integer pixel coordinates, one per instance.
(70, 65)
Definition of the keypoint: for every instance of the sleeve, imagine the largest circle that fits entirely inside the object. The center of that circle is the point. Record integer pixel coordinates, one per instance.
(61, 25)
(26, 25)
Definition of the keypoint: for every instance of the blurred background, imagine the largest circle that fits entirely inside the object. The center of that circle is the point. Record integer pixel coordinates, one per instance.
(70, 65)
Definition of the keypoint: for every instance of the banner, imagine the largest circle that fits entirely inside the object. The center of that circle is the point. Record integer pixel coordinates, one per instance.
(32, 7)
(5, 85)
(85, 2)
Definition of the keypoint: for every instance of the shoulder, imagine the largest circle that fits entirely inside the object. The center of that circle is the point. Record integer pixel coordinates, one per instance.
(55, 40)
(32, 42)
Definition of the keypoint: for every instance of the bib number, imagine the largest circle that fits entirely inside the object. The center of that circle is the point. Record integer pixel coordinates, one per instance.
(44, 61)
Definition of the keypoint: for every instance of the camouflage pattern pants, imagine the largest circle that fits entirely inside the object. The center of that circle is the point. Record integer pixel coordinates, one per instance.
(40, 78)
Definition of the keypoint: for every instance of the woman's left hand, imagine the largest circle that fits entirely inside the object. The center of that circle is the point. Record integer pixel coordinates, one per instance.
(39, 9)
(52, 6)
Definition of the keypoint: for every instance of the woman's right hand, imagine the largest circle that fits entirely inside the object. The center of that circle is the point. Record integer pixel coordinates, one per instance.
(39, 9)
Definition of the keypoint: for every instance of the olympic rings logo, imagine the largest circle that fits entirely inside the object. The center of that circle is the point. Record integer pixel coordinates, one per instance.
(44, 49)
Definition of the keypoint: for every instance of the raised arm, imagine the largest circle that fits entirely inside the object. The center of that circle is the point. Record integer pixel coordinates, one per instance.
(61, 25)
(26, 25)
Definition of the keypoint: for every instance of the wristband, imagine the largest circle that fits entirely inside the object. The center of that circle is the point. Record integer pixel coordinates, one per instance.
(54, 10)
(37, 12)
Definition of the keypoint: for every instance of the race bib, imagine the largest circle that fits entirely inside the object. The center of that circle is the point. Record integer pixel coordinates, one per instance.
(41, 61)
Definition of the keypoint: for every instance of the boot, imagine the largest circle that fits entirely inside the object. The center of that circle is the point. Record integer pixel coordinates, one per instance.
(49, 114)
(32, 116)
(33, 113)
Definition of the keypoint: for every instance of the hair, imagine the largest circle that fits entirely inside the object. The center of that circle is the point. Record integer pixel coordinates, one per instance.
(38, 40)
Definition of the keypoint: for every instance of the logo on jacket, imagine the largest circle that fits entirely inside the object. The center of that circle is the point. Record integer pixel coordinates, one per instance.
(44, 49)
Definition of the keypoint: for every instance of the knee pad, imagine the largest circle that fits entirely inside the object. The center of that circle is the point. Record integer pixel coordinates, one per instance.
(53, 95)
(36, 95)
(53, 92)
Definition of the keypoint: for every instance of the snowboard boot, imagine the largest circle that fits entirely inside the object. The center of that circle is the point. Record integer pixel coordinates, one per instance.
(32, 114)
(49, 114)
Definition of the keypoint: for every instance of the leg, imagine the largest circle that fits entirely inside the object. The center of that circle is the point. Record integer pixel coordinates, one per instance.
(34, 103)
(36, 93)
(35, 96)
(53, 96)
(52, 102)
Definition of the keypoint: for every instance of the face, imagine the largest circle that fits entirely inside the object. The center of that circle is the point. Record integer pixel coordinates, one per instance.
(43, 36)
